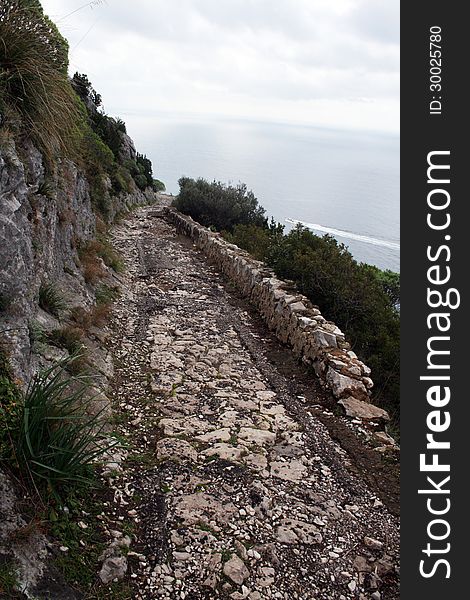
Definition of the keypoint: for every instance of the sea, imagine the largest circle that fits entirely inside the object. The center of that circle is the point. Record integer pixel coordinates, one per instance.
(342, 183)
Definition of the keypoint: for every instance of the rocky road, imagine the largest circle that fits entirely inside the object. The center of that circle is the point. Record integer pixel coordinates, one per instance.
(231, 485)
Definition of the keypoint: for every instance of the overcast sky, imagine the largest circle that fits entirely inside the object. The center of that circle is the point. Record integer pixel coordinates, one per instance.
(331, 63)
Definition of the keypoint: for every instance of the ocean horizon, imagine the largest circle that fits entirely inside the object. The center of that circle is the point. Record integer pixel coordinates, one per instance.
(343, 183)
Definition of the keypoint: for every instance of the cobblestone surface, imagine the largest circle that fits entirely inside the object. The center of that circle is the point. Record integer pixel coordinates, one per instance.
(234, 489)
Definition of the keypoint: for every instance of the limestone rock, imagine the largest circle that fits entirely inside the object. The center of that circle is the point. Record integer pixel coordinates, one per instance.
(260, 437)
(357, 409)
(236, 570)
(201, 507)
(226, 452)
(127, 149)
(293, 470)
(343, 386)
(114, 567)
(175, 449)
(293, 531)
(218, 435)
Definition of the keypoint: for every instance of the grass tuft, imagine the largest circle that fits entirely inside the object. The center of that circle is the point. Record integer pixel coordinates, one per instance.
(51, 299)
(8, 579)
(59, 437)
(69, 338)
(35, 93)
(106, 294)
(90, 254)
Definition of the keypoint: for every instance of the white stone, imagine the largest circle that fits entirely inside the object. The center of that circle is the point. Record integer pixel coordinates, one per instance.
(236, 570)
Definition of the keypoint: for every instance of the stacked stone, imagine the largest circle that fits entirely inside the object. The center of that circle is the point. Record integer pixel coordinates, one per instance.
(294, 320)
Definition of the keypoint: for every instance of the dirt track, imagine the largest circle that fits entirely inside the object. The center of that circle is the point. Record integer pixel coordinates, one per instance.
(235, 486)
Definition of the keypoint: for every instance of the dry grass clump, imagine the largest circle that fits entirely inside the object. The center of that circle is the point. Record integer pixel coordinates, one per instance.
(92, 266)
(35, 94)
(97, 316)
(92, 269)
(100, 314)
(69, 338)
(90, 255)
(81, 317)
(51, 299)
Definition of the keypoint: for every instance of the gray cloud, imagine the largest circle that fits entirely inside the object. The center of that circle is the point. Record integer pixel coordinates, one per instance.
(283, 59)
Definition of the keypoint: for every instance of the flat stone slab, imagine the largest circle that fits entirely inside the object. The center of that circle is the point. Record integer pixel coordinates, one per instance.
(266, 395)
(175, 449)
(257, 462)
(188, 426)
(293, 470)
(194, 508)
(357, 409)
(261, 437)
(226, 452)
(293, 531)
(218, 435)
(271, 408)
(244, 404)
(285, 423)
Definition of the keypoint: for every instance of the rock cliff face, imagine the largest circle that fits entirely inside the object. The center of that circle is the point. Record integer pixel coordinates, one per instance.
(45, 218)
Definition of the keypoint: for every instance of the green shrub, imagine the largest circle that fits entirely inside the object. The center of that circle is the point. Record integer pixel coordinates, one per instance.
(34, 88)
(106, 294)
(158, 186)
(141, 181)
(68, 338)
(218, 205)
(97, 155)
(351, 295)
(121, 180)
(109, 130)
(258, 241)
(145, 167)
(58, 439)
(51, 299)
(132, 167)
(82, 86)
(390, 283)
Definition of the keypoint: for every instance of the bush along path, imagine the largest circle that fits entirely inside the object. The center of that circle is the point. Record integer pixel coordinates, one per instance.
(228, 485)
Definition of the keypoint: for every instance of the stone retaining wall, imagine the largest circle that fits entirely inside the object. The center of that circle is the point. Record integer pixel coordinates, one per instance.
(293, 318)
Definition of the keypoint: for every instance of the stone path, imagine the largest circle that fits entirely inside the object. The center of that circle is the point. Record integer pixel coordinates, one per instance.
(234, 489)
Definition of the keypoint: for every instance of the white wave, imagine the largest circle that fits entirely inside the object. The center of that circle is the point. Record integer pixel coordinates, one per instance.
(346, 234)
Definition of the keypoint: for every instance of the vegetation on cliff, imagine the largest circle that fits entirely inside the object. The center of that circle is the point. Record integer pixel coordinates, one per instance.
(68, 170)
(36, 99)
(41, 107)
(63, 118)
(220, 206)
(360, 298)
